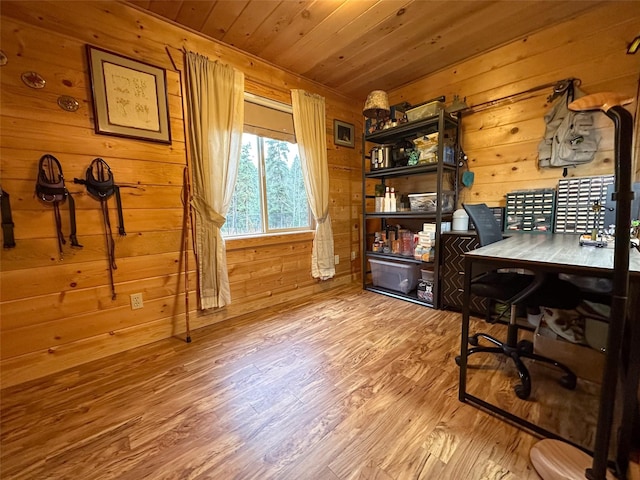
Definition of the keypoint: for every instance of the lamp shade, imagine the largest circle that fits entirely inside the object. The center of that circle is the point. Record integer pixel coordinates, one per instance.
(377, 105)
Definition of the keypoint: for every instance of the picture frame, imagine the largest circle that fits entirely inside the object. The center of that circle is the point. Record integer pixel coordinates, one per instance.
(344, 134)
(129, 97)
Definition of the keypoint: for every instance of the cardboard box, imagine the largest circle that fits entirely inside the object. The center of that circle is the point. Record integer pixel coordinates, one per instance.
(586, 362)
(424, 290)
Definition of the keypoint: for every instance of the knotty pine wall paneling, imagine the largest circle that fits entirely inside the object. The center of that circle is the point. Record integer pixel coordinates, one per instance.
(501, 141)
(58, 314)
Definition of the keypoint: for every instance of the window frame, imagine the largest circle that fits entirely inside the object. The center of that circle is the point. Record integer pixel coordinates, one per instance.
(263, 193)
(262, 176)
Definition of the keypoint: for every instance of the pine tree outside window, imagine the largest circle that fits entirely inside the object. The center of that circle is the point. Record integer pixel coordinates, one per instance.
(269, 195)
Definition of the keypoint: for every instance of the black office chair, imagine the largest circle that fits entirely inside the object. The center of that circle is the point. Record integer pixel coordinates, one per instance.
(516, 289)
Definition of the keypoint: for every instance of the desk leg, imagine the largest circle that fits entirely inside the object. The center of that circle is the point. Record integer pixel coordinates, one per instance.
(464, 340)
(630, 378)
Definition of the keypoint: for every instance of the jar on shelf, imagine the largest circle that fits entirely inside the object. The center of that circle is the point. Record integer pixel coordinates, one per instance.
(406, 239)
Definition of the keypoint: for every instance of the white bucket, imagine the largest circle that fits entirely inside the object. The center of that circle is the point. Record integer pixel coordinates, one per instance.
(460, 221)
(427, 274)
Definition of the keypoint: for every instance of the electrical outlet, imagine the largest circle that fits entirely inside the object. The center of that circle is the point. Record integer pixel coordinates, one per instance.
(136, 301)
(336, 259)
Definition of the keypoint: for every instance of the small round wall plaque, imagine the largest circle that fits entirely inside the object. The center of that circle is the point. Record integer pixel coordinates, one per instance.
(68, 103)
(33, 80)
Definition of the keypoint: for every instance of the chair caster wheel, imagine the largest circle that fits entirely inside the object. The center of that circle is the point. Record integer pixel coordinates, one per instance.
(568, 381)
(473, 340)
(525, 346)
(522, 392)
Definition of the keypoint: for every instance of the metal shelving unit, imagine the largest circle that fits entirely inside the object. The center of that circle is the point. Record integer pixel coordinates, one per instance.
(440, 171)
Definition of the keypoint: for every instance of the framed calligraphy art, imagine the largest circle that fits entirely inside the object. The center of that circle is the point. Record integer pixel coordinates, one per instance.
(129, 97)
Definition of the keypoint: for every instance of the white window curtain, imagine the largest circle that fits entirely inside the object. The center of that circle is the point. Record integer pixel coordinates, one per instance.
(215, 102)
(310, 126)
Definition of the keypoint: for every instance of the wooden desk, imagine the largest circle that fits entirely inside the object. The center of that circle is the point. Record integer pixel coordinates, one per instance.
(552, 252)
(561, 253)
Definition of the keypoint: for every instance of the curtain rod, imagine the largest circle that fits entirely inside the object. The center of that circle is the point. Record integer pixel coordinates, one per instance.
(559, 87)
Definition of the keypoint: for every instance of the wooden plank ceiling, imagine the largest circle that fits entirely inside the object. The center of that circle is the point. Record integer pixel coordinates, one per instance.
(355, 46)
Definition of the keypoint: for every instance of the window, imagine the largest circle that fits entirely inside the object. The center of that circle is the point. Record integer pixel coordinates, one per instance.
(269, 195)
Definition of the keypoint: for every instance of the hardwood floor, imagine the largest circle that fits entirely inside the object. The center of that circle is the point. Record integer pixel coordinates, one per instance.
(347, 385)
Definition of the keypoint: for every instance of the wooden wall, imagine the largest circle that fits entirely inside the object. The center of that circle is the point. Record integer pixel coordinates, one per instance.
(59, 313)
(501, 142)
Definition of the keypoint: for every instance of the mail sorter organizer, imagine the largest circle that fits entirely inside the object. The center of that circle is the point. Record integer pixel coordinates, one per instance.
(575, 212)
(530, 211)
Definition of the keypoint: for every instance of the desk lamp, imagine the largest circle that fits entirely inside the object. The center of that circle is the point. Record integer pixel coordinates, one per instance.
(377, 106)
(554, 459)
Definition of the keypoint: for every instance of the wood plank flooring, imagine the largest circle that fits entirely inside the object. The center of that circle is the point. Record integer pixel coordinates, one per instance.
(346, 385)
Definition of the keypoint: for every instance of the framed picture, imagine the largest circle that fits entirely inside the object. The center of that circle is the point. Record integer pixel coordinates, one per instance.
(343, 134)
(129, 97)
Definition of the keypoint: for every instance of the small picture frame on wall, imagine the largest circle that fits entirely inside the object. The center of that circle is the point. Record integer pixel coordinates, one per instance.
(343, 134)
(129, 97)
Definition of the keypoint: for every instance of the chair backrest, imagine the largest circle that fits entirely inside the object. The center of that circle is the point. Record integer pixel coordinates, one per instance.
(487, 226)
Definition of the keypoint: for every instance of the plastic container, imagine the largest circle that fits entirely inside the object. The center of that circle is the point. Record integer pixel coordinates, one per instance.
(427, 202)
(406, 242)
(424, 111)
(401, 277)
(427, 274)
(460, 221)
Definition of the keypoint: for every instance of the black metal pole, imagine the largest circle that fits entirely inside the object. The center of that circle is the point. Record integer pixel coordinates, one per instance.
(624, 196)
